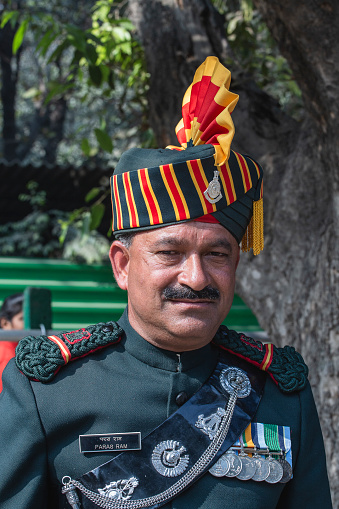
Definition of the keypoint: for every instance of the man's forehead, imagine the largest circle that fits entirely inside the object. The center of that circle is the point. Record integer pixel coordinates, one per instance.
(190, 232)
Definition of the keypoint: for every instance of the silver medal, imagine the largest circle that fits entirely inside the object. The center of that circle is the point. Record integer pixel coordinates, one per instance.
(221, 467)
(287, 470)
(248, 467)
(262, 468)
(168, 458)
(276, 471)
(235, 464)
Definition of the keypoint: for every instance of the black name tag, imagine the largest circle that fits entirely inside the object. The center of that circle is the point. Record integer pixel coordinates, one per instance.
(109, 442)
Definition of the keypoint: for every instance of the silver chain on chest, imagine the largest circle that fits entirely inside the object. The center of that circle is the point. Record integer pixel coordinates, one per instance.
(236, 383)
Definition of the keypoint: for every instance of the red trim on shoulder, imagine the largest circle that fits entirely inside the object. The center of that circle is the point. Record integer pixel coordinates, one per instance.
(251, 342)
(76, 335)
(268, 357)
(91, 351)
(248, 360)
(66, 354)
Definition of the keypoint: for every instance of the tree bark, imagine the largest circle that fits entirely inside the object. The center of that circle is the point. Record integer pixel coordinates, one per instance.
(302, 254)
(177, 35)
(293, 285)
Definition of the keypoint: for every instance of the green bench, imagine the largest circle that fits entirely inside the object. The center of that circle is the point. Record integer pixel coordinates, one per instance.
(83, 295)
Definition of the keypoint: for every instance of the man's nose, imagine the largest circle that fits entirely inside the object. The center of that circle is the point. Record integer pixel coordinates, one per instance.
(193, 273)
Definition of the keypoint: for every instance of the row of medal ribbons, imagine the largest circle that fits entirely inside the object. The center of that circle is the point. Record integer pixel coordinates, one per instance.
(262, 453)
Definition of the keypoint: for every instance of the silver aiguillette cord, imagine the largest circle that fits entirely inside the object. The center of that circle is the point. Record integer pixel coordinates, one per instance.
(236, 383)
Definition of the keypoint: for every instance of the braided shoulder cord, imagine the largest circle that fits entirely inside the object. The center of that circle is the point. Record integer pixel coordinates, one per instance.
(285, 365)
(40, 358)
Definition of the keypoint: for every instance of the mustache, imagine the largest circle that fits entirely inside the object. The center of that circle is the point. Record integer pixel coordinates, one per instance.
(185, 292)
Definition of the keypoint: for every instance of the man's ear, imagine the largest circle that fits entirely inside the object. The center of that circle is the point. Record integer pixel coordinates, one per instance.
(119, 256)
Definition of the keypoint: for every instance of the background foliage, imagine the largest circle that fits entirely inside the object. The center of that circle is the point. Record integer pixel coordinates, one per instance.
(256, 52)
(80, 95)
(94, 65)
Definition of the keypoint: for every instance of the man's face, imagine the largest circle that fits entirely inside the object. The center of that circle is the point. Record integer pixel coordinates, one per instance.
(180, 281)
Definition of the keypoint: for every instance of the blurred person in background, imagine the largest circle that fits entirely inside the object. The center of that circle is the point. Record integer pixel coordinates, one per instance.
(11, 317)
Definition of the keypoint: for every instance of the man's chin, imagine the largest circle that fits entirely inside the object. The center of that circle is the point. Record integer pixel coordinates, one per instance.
(193, 329)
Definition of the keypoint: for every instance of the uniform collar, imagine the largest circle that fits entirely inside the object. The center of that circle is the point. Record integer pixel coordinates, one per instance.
(156, 357)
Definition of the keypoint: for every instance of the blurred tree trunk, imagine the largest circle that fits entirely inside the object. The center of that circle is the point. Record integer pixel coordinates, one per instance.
(9, 73)
(293, 285)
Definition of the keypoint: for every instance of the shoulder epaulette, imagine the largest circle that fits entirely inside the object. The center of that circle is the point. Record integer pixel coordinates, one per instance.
(285, 365)
(41, 357)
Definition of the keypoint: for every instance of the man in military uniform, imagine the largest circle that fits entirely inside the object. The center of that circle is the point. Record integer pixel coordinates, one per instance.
(166, 408)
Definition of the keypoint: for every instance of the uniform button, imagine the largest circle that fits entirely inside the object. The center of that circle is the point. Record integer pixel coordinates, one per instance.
(181, 398)
(107, 328)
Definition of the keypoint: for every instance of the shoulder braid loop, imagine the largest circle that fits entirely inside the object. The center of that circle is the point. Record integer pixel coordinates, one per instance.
(285, 365)
(40, 358)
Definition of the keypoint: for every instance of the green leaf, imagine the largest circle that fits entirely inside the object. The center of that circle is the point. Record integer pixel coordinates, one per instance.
(91, 53)
(19, 35)
(75, 215)
(85, 147)
(58, 51)
(77, 37)
(97, 213)
(75, 61)
(110, 79)
(95, 75)
(104, 140)
(93, 193)
(56, 89)
(94, 38)
(46, 41)
(120, 34)
(9, 16)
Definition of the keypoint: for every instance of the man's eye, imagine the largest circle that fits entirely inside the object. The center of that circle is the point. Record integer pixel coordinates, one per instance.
(218, 253)
(168, 253)
(218, 256)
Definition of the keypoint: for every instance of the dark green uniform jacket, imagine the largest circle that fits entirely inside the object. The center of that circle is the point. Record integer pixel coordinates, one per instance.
(134, 386)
